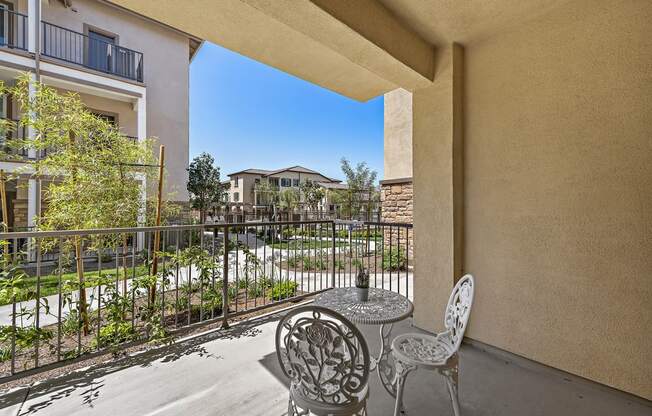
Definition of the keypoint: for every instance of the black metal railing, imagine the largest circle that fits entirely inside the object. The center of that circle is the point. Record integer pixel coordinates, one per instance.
(71, 294)
(80, 49)
(13, 29)
(298, 215)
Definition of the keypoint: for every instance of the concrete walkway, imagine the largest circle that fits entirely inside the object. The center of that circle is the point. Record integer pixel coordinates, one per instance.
(235, 372)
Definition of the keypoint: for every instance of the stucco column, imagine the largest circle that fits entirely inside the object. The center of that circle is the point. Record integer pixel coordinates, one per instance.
(438, 194)
(141, 109)
(33, 21)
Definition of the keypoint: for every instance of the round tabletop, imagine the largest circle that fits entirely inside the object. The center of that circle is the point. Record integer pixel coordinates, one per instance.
(383, 306)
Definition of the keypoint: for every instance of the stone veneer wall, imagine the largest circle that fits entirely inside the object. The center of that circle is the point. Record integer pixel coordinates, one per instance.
(20, 205)
(397, 206)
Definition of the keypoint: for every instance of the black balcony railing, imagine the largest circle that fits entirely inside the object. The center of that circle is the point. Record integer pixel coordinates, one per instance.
(80, 49)
(13, 29)
(58, 305)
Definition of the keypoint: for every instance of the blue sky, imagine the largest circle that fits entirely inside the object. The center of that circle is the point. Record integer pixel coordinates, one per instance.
(249, 115)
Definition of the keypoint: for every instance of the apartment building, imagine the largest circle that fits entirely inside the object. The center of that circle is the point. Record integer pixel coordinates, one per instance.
(125, 67)
(244, 192)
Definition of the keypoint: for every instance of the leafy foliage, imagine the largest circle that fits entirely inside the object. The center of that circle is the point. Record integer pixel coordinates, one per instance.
(204, 184)
(289, 199)
(394, 260)
(313, 194)
(284, 290)
(361, 193)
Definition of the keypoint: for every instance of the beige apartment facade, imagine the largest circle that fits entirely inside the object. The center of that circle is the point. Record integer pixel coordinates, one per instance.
(125, 67)
(244, 193)
(530, 154)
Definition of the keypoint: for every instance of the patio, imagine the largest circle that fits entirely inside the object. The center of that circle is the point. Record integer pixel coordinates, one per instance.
(236, 372)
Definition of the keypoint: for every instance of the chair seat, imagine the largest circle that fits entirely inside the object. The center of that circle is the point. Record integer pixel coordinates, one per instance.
(422, 350)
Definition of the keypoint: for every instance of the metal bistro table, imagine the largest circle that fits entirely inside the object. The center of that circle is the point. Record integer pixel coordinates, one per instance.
(383, 308)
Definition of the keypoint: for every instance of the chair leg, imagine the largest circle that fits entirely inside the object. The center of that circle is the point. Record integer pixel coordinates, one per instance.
(452, 383)
(290, 407)
(402, 371)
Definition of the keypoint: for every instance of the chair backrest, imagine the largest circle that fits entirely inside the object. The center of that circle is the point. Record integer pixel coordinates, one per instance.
(458, 310)
(324, 354)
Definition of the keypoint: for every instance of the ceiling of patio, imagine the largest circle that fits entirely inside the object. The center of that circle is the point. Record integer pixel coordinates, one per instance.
(360, 49)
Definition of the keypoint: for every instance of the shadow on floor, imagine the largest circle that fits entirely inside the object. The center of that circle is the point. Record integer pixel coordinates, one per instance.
(88, 382)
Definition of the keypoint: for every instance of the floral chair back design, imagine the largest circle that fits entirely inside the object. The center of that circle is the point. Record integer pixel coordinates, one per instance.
(325, 357)
(458, 310)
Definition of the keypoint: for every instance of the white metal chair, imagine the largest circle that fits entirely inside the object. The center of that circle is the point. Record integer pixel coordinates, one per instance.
(436, 352)
(326, 359)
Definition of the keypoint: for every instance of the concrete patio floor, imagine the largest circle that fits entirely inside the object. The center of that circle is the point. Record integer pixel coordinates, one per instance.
(235, 372)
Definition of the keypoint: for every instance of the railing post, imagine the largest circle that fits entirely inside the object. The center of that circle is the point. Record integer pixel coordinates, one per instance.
(225, 280)
(333, 248)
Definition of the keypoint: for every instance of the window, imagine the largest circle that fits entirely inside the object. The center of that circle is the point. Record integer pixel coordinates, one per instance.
(295, 182)
(4, 24)
(106, 117)
(3, 106)
(257, 181)
(286, 182)
(236, 182)
(236, 197)
(100, 51)
(273, 181)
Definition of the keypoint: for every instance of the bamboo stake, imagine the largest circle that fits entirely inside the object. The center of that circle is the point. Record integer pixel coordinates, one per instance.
(157, 234)
(79, 253)
(3, 195)
(5, 213)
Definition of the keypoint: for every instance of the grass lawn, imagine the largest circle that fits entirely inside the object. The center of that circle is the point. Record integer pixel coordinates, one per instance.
(50, 282)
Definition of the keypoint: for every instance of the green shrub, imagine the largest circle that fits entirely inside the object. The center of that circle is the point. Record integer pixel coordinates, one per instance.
(284, 290)
(26, 338)
(113, 334)
(259, 287)
(395, 260)
(212, 298)
(293, 261)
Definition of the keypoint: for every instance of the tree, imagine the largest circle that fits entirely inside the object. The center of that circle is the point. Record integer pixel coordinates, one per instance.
(204, 184)
(96, 171)
(289, 199)
(361, 192)
(313, 194)
(269, 194)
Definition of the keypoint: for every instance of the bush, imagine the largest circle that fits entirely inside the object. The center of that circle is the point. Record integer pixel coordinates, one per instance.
(260, 287)
(314, 264)
(339, 264)
(395, 260)
(284, 290)
(113, 334)
(212, 298)
(294, 261)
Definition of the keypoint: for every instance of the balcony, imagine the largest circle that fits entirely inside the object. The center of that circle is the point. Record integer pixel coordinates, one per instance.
(220, 371)
(13, 29)
(93, 53)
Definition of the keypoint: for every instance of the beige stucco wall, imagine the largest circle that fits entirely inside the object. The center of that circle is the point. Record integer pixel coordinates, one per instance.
(558, 190)
(437, 193)
(398, 134)
(165, 75)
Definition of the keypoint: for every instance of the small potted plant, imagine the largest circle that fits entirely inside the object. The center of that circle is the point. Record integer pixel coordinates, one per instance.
(362, 285)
